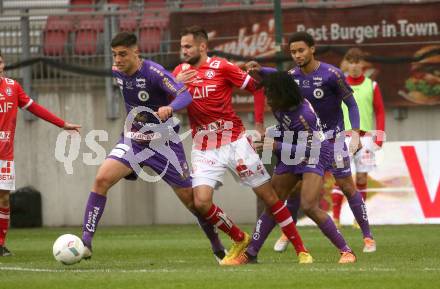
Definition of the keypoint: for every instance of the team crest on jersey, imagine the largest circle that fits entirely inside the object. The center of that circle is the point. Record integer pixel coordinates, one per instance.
(318, 93)
(140, 82)
(210, 74)
(143, 95)
(8, 91)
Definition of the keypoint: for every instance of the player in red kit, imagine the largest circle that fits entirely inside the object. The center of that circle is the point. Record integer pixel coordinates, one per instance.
(219, 142)
(13, 97)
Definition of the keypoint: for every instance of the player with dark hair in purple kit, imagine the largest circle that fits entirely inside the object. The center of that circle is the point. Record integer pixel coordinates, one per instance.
(325, 87)
(146, 140)
(312, 155)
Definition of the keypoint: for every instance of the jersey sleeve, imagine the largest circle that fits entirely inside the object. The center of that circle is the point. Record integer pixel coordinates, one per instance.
(239, 78)
(166, 81)
(340, 86)
(259, 103)
(379, 110)
(24, 101)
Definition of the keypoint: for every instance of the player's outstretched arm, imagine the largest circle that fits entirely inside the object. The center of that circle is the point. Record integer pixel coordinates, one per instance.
(254, 69)
(43, 113)
(71, 126)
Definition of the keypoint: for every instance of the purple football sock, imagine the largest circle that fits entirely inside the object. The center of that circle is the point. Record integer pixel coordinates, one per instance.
(210, 232)
(94, 209)
(359, 210)
(293, 204)
(265, 225)
(329, 229)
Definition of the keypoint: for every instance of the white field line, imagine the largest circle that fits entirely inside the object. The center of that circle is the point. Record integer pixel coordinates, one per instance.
(246, 269)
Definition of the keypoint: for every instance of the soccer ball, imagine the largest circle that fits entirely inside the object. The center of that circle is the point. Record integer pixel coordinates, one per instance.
(68, 249)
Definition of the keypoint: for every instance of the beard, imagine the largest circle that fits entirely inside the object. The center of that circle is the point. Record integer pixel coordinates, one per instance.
(193, 60)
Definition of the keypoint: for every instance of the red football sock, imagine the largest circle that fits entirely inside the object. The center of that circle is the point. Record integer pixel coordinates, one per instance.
(219, 219)
(284, 219)
(4, 224)
(363, 190)
(337, 198)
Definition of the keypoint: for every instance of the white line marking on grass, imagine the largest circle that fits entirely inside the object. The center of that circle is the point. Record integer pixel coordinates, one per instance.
(242, 269)
(22, 269)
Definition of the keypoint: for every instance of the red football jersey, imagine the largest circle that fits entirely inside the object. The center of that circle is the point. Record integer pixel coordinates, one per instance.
(211, 112)
(12, 96)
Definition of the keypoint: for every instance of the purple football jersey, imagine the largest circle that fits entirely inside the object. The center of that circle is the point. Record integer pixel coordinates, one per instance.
(325, 88)
(148, 141)
(151, 87)
(306, 141)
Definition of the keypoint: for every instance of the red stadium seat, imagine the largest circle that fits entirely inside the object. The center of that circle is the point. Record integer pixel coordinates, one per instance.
(150, 33)
(86, 36)
(56, 34)
(128, 21)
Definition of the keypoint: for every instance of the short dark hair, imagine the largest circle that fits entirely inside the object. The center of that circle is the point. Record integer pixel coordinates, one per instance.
(354, 54)
(302, 36)
(124, 39)
(281, 91)
(198, 32)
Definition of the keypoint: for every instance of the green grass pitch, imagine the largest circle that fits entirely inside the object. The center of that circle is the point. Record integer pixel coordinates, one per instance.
(179, 257)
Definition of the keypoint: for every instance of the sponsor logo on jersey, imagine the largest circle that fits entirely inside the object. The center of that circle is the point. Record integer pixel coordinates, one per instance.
(9, 81)
(140, 82)
(6, 106)
(317, 81)
(210, 74)
(5, 135)
(306, 83)
(169, 85)
(318, 93)
(129, 85)
(143, 136)
(203, 91)
(143, 95)
(215, 64)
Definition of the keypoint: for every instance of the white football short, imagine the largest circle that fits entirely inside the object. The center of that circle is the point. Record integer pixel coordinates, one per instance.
(364, 161)
(209, 166)
(7, 175)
